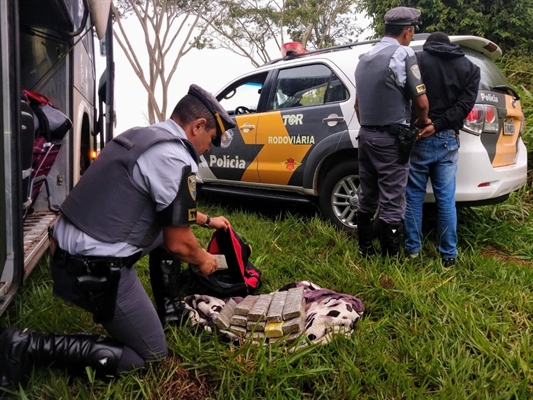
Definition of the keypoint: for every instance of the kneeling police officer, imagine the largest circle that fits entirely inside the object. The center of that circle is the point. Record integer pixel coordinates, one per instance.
(139, 194)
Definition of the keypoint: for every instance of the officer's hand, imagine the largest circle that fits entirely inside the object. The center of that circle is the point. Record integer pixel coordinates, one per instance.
(219, 223)
(209, 265)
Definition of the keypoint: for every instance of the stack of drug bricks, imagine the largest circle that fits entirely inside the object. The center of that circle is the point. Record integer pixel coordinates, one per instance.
(269, 316)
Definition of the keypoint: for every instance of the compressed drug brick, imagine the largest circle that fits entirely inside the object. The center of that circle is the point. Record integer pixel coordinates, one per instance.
(256, 335)
(295, 325)
(239, 320)
(256, 326)
(260, 308)
(293, 303)
(244, 307)
(238, 330)
(275, 311)
(274, 329)
(223, 320)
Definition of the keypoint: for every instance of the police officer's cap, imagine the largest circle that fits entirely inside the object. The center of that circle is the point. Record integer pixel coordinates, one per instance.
(222, 118)
(404, 16)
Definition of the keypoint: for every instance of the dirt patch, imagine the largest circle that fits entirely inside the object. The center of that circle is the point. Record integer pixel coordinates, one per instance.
(386, 282)
(182, 384)
(491, 251)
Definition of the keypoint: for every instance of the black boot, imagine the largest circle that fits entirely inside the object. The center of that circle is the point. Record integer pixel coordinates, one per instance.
(365, 233)
(165, 279)
(391, 238)
(21, 350)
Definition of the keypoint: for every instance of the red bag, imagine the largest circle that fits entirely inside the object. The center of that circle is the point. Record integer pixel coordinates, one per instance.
(240, 279)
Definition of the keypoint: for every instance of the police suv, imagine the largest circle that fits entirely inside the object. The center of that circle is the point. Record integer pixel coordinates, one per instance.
(296, 134)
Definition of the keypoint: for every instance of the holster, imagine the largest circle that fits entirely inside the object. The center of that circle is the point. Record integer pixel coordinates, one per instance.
(98, 278)
(101, 286)
(407, 137)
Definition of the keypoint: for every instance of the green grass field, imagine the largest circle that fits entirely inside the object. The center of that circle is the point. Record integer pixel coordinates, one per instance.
(427, 332)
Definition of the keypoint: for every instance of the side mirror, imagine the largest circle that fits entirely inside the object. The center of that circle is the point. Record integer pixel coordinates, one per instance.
(100, 10)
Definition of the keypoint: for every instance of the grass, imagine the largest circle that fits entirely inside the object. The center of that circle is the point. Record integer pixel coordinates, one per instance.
(427, 332)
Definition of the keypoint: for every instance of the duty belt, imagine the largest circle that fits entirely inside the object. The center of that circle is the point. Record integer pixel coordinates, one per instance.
(82, 265)
(392, 129)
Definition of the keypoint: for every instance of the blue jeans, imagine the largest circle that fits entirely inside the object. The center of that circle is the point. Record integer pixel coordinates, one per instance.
(434, 157)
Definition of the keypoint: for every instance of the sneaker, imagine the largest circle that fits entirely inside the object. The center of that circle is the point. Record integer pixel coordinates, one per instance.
(411, 256)
(448, 262)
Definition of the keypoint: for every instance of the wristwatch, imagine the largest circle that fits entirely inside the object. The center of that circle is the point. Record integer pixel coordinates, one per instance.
(207, 222)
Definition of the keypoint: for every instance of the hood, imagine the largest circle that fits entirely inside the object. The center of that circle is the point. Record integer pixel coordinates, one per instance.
(443, 50)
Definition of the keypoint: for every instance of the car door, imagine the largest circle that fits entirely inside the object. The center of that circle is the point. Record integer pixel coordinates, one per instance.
(303, 109)
(235, 159)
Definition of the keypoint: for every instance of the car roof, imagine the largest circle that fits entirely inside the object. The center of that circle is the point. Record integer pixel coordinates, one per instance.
(344, 56)
(482, 45)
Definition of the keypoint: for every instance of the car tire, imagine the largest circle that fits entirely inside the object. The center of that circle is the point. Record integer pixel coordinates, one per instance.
(339, 196)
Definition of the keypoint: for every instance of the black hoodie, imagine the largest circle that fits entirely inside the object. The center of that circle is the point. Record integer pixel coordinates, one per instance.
(452, 83)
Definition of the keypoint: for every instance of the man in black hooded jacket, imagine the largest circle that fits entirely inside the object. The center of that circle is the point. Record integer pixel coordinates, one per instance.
(452, 83)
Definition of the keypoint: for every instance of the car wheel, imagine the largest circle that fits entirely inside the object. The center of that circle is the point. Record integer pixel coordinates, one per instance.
(339, 196)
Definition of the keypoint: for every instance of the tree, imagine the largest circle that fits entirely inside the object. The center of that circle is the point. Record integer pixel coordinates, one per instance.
(506, 22)
(245, 27)
(321, 23)
(170, 29)
(255, 29)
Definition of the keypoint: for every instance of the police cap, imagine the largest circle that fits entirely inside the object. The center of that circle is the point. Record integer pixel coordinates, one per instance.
(222, 118)
(405, 16)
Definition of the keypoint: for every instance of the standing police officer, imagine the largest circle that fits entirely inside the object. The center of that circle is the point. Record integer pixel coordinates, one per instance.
(141, 185)
(387, 80)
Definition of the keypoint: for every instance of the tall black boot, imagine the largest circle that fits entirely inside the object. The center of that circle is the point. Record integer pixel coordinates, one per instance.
(165, 279)
(391, 238)
(365, 233)
(20, 350)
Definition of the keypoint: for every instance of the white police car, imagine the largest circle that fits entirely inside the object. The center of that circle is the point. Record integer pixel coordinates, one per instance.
(296, 134)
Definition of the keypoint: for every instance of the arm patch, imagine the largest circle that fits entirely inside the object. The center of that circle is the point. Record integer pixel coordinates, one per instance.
(413, 84)
(182, 211)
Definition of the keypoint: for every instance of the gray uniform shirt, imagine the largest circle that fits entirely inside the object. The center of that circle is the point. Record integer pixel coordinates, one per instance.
(157, 172)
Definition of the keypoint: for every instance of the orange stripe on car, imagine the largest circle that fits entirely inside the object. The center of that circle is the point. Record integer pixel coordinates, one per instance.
(506, 146)
(279, 158)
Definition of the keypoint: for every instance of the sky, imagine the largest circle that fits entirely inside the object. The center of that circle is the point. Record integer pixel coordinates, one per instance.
(210, 69)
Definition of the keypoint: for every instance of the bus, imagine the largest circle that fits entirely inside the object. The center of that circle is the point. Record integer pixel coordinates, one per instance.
(47, 47)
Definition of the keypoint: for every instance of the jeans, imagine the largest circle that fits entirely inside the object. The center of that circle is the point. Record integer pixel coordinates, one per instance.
(434, 157)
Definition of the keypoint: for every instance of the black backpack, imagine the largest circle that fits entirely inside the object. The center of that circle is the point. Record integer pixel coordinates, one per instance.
(240, 279)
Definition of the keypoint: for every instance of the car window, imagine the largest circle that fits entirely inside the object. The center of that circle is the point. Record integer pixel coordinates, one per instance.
(308, 85)
(243, 96)
(491, 76)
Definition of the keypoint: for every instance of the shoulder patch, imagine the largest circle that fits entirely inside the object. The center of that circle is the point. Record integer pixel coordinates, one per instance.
(192, 186)
(416, 71)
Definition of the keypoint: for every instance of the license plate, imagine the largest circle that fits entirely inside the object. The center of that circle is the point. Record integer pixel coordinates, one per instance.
(508, 126)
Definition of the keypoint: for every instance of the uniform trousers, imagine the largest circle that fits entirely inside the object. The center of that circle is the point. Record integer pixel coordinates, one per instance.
(136, 324)
(382, 177)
